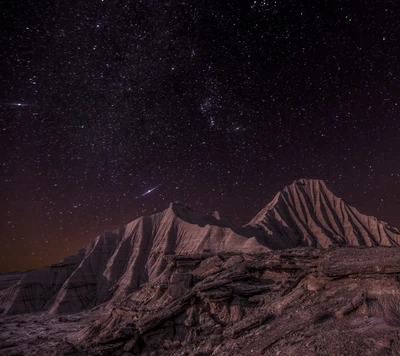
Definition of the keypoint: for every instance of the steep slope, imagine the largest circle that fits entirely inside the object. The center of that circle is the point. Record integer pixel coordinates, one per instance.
(118, 263)
(9, 279)
(308, 213)
(36, 289)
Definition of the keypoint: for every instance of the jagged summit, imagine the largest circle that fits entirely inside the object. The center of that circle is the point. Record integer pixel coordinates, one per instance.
(308, 213)
(311, 187)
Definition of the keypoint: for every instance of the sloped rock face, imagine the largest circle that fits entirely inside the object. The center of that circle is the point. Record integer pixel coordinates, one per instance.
(118, 263)
(7, 280)
(340, 301)
(308, 213)
(36, 289)
(178, 283)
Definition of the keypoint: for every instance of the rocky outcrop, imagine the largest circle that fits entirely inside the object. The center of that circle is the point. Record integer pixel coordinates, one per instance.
(179, 283)
(118, 263)
(303, 301)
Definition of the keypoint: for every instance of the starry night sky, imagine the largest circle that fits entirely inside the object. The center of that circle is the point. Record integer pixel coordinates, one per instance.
(218, 104)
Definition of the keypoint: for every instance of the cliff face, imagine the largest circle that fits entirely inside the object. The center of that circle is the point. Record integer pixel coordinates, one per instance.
(118, 263)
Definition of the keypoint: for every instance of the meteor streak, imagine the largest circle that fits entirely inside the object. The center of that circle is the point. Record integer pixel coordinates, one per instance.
(148, 192)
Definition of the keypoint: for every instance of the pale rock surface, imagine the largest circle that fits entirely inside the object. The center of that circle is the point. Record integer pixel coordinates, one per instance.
(308, 213)
(179, 283)
(118, 263)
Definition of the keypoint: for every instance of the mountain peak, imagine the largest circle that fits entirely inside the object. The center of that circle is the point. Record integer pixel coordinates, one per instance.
(305, 213)
(314, 184)
(309, 213)
(311, 187)
(179, 208)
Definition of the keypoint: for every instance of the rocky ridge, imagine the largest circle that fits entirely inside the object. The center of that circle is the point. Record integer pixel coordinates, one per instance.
(306, 213)
(309, 275)
(305, 301)
(118, 263)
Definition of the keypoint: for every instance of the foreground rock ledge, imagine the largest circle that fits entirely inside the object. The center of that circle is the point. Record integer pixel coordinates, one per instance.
(339, 301)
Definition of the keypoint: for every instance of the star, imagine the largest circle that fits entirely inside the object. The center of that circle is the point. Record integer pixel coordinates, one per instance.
(122, 95)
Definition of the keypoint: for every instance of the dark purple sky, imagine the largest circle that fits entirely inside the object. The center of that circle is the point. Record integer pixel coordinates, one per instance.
(218, 104)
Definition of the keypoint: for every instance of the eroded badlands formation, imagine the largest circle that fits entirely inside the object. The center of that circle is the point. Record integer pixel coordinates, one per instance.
(179, 283)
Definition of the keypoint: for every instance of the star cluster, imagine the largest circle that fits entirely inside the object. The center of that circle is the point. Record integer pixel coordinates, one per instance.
(111, 109)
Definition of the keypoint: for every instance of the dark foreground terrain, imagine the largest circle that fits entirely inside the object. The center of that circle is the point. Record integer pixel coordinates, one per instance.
(337, 301)
(41, 334)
